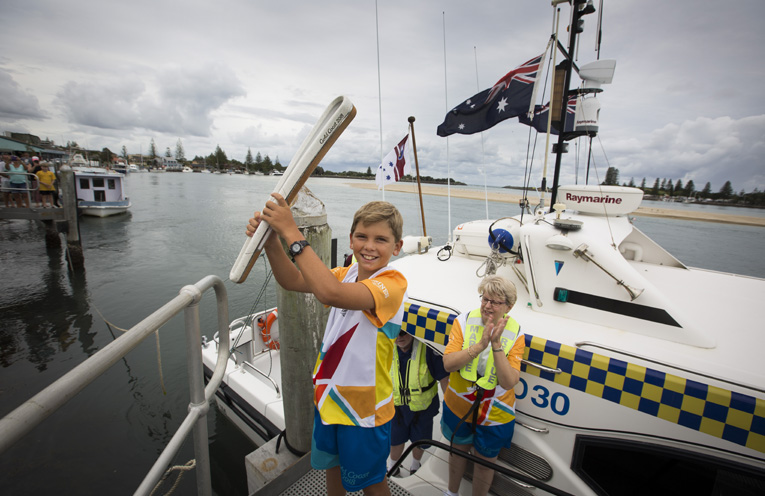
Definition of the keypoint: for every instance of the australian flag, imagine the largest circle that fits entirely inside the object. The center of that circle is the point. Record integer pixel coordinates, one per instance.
(510, 97)
(541, 113)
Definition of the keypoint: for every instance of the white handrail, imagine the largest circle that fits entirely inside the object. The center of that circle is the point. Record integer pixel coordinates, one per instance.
(29, 415)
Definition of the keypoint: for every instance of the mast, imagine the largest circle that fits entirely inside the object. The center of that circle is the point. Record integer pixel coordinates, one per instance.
(580, 8)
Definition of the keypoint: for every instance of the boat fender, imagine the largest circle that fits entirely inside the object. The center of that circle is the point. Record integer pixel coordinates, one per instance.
(502, 240)
(265, 330)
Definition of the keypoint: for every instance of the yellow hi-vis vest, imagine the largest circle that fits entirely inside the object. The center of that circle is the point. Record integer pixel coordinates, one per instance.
(420, 388)
(472, 334)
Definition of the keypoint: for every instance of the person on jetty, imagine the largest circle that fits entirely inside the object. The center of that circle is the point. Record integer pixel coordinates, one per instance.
(416, 372)
(17, 173)
(353, 391)
(46, 178)
(34, 167)
(483, 357)
(5, 183)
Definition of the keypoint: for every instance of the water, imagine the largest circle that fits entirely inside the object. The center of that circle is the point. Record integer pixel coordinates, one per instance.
(181, 228)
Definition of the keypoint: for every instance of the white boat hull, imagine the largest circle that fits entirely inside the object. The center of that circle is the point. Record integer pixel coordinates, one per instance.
(92, 210)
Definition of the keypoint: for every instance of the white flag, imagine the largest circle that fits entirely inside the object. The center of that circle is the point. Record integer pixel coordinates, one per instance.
(395, 165)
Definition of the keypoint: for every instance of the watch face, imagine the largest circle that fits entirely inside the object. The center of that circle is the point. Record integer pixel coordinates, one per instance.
(295, 247)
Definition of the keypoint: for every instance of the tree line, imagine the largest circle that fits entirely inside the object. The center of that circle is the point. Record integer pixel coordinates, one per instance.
(667, 188)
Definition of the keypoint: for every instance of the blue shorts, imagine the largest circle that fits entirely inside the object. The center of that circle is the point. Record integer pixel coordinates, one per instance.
(20, 187)
(361, 452)
(488, 439)
(420, 427)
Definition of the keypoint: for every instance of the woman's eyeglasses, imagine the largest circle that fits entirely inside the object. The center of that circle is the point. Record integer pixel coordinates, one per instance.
(493, 303)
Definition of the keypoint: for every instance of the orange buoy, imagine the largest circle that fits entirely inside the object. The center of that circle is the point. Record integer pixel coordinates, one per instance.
(265, 330)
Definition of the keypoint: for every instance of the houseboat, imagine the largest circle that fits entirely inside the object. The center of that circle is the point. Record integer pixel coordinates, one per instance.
(100, 193)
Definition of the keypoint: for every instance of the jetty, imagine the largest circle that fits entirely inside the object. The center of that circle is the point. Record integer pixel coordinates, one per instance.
(56, 220)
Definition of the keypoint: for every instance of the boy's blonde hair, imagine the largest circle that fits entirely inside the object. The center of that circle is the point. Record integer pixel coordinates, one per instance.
(499, 286)
(377, 211)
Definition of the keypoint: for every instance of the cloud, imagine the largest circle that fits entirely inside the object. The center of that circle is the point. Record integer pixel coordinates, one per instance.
(180, 101)
(703, 149)
(17, 104)
(105, 105)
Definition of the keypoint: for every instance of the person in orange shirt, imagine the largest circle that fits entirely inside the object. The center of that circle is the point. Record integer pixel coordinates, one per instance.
(483, 357)
(353, 389)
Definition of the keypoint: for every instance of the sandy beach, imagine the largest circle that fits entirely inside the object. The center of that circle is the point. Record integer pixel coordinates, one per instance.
(513, 197)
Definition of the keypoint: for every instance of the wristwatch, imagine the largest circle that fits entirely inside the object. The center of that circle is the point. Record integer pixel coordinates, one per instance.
(296, 248)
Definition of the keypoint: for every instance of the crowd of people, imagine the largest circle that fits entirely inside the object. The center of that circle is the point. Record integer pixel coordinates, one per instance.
(375, 386)
(27, 178)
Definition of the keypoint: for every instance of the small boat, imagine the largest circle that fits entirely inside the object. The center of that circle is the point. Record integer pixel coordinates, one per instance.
(187, 169)
(277, 173)
(78, 161)
(100, 192)
(250, 394)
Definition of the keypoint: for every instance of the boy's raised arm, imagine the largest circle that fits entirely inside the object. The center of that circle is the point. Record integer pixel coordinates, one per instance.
(315, 276)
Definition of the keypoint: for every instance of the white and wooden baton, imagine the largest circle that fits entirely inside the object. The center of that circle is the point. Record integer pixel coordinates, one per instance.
(330, 126)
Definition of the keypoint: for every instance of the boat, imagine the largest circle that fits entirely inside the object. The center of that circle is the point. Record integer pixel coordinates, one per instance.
(639, 371)
(78, 160)
(277, 173)
(186, 168)
(100, 192)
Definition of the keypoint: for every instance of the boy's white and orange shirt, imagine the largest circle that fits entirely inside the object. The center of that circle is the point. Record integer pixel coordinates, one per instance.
(352, 384)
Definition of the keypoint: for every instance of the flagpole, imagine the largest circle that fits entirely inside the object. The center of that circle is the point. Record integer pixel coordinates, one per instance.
(483, 151)
(448, 169)
(549, 116)
(379, 90)
(417, 168)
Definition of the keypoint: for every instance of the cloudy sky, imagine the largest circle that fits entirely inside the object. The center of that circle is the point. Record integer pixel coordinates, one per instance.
(686, 101)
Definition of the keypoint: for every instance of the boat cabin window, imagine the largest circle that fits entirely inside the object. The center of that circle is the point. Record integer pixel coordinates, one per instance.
(616, 466)
(99, 195)
(112, 184)
(98, 182)
(84, 183)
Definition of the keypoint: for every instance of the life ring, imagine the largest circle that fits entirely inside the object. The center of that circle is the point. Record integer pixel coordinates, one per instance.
(265, 330)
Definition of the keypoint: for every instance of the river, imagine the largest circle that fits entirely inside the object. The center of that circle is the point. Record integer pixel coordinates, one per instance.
(181, 228)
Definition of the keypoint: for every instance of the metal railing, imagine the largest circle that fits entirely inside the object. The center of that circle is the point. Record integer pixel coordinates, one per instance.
(529, 481)
(29, 415)
(28, 190)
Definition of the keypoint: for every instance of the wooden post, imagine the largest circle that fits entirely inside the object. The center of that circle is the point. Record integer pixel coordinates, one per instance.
(302, 319)
(51, 234)
(69, 201)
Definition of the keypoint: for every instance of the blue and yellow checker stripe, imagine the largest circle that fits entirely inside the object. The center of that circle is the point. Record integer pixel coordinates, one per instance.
(427, 323)
(721, 413)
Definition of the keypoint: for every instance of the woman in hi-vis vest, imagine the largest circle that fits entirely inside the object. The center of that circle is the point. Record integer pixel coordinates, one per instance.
(483, 357)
